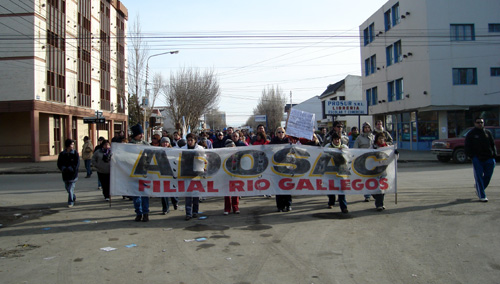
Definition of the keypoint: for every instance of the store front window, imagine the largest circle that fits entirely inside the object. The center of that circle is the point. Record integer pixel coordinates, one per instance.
(428, 126)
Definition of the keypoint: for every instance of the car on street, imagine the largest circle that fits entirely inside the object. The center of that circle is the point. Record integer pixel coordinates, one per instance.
(446, 149)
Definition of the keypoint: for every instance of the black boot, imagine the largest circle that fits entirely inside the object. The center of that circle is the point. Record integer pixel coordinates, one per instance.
(138, 218)
(145, 218)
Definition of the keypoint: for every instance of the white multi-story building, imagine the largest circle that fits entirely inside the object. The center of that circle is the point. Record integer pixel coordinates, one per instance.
(60, 61)
(348, 89)
(430, 67)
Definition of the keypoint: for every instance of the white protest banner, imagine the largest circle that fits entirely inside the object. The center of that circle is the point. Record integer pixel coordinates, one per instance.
(300, 124)
(138, 170)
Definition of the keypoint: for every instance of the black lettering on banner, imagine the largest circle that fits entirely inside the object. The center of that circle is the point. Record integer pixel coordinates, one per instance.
(331, 163)
(197, 164)
(144, 164)
(259, 165)
(359, 164)
(291, 161)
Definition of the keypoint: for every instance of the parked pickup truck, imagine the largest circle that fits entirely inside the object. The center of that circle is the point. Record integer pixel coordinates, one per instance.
(445, 149)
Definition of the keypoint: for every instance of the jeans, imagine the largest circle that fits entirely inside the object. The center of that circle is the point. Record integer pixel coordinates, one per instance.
(88, 167)
(341, 199)
(141, 204)
(483, 170)
(70, 188)
(379, 200)
(192, 205)
(165, 204)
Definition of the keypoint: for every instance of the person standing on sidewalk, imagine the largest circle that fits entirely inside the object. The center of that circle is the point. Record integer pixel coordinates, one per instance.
(102, 162)
(480, 147)
(68, 163)
(141, 203)
(87, 150)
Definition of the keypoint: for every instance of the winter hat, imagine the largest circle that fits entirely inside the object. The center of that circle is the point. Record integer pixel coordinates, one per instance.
(229, 143)
(164, 139)
(181, 143)
(136, 130)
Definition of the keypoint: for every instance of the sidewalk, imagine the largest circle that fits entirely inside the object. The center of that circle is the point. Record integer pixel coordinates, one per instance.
(405, 156)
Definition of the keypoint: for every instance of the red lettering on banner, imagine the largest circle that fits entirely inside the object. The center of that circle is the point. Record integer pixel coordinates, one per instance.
(345, 184)
(195, 185)
(236, 185)
(319, 185)
(262, 184)
(156, 186)
(166, 186)
(286, 184)
(304, 184)
(180, 185)
(331, 185)
(250, 185)
(357, 184)
(383, 184)
(210, 187)
(143, 184)
(371, 184)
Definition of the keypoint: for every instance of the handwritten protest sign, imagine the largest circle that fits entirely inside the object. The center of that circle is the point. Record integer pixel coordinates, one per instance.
(300, 124)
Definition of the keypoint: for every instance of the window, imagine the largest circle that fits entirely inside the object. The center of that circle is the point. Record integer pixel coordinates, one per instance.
(373, 62)
(370, 65)
(391, 91)
(494, 28)
(399, 89)
(371, 96)
(369, 33)
(462, 32)
(389, 51)
(387, 20)
(464, 76)
(398, 56)
(395, 14)
(495, 71)
(367, 67)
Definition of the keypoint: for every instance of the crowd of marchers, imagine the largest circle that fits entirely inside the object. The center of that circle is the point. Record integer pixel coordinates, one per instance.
(479, 147)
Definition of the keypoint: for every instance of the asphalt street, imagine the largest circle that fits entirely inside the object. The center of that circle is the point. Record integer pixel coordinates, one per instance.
(436, 233)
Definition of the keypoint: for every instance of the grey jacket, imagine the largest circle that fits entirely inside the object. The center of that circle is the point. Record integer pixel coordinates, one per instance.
(364, 140)
(100, 164)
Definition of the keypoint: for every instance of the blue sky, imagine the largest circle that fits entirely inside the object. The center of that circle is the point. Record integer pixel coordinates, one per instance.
(299, 46)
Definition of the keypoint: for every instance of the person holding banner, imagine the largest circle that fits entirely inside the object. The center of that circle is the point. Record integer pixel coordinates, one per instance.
(231, 202)
(192, 203)
(101, 161)
(283, 202)
(336, 143)
(165, 206)
(141, 203)
(260, 139)
(379, 142)
(365, 141)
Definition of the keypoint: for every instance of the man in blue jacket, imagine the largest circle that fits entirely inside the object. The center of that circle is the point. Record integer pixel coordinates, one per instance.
(480, 147)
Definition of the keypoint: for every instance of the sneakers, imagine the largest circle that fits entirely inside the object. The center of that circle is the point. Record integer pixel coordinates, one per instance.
(70, 205)
(483, 199)
(345, 211)
(175, 206)
(367, 199)
(187, 218)
(288, 208)
(106, 199)
(237, 212)
(99, 188)
(330, 206)
(226, 213)
(138, 218)
(380, 208)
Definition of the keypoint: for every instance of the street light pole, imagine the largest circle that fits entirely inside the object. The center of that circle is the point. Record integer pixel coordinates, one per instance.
(145, 102)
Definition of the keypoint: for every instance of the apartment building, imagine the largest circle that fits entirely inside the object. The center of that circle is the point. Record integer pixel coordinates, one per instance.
(430, 67)
(60, 61)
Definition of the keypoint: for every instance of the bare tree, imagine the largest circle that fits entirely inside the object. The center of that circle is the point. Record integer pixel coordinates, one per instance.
(137, 61)
(215, 119)
(272, 104)
(191, 94)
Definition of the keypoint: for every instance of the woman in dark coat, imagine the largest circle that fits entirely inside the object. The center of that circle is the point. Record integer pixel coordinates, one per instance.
(68, 163)
(283, 202)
